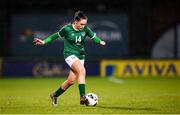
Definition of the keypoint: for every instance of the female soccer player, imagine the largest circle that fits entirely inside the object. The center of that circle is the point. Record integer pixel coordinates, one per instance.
(74, 39)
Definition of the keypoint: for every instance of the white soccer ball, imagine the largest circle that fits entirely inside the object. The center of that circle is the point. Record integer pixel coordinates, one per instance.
(92, 98)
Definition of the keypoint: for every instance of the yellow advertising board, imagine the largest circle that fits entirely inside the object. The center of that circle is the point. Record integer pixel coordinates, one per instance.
(134, 68)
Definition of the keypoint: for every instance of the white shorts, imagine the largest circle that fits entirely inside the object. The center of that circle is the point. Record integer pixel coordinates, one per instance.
(71, 59)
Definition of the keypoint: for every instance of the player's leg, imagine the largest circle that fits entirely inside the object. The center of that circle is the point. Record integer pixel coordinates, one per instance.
(70, 80)
(79, 69)
(64, 86)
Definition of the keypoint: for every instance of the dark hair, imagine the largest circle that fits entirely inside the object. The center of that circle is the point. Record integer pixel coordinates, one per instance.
(79, 15)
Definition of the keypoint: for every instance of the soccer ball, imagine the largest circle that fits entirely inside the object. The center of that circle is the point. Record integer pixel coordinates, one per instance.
(92, 98)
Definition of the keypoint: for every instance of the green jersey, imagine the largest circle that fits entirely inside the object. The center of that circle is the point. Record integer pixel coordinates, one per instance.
(74, 40)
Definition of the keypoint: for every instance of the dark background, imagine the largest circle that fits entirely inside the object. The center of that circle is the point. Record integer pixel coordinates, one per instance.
(148, 19)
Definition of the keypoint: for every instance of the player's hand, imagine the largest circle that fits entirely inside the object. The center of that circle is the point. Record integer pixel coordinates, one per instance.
(38, 41)
(103, 43)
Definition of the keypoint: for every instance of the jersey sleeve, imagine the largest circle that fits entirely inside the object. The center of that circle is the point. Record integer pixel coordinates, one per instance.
(89, 32)
(62, 32)
(51, 38)
(92, 35)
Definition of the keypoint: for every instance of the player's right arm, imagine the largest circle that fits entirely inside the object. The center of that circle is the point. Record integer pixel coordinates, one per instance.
(51, 38)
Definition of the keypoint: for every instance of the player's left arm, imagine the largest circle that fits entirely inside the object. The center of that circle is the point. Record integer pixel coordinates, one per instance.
(98, 40)
(93, 36)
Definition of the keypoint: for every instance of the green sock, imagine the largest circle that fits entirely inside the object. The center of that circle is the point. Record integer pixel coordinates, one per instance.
(59, 92)
(82, 89)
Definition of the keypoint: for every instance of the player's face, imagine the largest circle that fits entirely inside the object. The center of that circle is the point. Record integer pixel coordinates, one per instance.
(80, 24)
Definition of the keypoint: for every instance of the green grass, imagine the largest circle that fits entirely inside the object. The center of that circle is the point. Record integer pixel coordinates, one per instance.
(133, 95)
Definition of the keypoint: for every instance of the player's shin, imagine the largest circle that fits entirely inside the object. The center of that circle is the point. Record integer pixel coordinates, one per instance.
(59, 91)
(81, 89)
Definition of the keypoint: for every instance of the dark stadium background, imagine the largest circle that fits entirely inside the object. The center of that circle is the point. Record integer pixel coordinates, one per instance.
(147, 22)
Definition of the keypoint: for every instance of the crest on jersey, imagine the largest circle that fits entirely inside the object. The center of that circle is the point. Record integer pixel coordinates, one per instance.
(83, 33)
(72, 34)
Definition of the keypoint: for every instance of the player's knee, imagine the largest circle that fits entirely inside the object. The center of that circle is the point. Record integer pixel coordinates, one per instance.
(82, 71)
(70, 82)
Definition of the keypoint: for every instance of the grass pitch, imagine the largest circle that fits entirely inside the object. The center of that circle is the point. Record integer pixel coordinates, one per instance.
(125, 95)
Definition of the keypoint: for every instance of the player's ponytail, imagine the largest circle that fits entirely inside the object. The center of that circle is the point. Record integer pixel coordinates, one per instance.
(79, 15)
